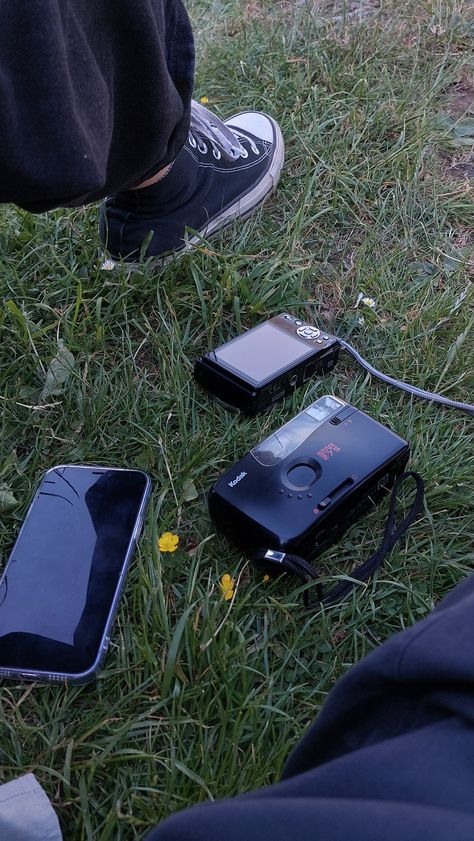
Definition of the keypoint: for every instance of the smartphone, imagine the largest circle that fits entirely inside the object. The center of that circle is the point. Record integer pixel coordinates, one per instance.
(62, 583)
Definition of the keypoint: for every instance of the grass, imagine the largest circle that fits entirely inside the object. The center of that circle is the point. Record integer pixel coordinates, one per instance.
(198, 701)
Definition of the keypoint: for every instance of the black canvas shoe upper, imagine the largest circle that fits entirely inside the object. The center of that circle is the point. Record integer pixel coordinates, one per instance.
(212, 181)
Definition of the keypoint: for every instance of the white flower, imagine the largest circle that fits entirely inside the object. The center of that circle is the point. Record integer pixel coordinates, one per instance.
(365, 301)
(108, 265)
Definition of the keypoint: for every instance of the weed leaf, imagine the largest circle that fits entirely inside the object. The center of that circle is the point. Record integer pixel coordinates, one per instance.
(59, 370)
(189, 491)
(7, 501)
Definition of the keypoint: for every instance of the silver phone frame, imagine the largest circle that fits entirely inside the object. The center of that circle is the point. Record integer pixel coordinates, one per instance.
(90, 674)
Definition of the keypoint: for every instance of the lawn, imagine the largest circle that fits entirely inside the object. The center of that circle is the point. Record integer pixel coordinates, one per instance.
(197, 701)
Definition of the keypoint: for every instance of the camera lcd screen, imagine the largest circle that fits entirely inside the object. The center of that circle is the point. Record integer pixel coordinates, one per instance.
(261, 353)
(64, 571)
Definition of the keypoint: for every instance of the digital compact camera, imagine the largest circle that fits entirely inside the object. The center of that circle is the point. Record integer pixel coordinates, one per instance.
(300, 488)
(266, 363)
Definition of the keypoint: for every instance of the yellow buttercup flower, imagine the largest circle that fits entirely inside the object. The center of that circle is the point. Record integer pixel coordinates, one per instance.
(168, 542)
(204, 100)
(227, 586)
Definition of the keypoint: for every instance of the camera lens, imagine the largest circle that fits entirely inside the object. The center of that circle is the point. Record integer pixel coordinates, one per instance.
(303, 475)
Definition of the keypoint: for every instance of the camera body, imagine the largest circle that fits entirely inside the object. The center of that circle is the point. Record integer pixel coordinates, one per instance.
(300, 488)
(266, 363)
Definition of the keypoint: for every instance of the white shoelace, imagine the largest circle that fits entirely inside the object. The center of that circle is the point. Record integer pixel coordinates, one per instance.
(224, 141)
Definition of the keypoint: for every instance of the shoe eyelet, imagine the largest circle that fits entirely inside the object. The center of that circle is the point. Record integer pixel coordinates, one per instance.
(202, 148)
(192, 142)
(244, 153)
(217, 154)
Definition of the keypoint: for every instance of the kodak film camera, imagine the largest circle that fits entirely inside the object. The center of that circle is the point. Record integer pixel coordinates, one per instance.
(266, 363)
(306, 483)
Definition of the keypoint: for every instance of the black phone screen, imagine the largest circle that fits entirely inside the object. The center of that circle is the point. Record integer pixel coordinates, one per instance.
(65, 568)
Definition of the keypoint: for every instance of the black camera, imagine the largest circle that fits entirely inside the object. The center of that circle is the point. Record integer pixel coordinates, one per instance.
(266, 363)
(304, 485)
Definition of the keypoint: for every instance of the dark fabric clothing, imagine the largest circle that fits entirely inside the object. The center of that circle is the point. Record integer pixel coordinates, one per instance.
(390, 757)
(95, 95)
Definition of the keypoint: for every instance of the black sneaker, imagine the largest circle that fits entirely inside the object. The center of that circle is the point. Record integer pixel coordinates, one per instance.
(223, 172)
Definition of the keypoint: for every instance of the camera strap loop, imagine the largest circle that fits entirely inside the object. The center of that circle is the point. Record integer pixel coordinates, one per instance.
(272, 559)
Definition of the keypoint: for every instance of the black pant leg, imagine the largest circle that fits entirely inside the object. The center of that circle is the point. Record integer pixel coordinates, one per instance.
(95, 96)
(390, 757)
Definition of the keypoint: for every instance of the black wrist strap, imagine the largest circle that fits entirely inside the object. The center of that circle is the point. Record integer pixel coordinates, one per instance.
(283, 562)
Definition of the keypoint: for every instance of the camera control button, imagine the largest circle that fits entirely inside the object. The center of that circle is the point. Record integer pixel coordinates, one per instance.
(298, 323)
(324, 503)
(307, 332)
(319, 341)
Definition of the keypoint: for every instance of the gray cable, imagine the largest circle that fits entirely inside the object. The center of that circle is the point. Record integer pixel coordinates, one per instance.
(412, 389)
